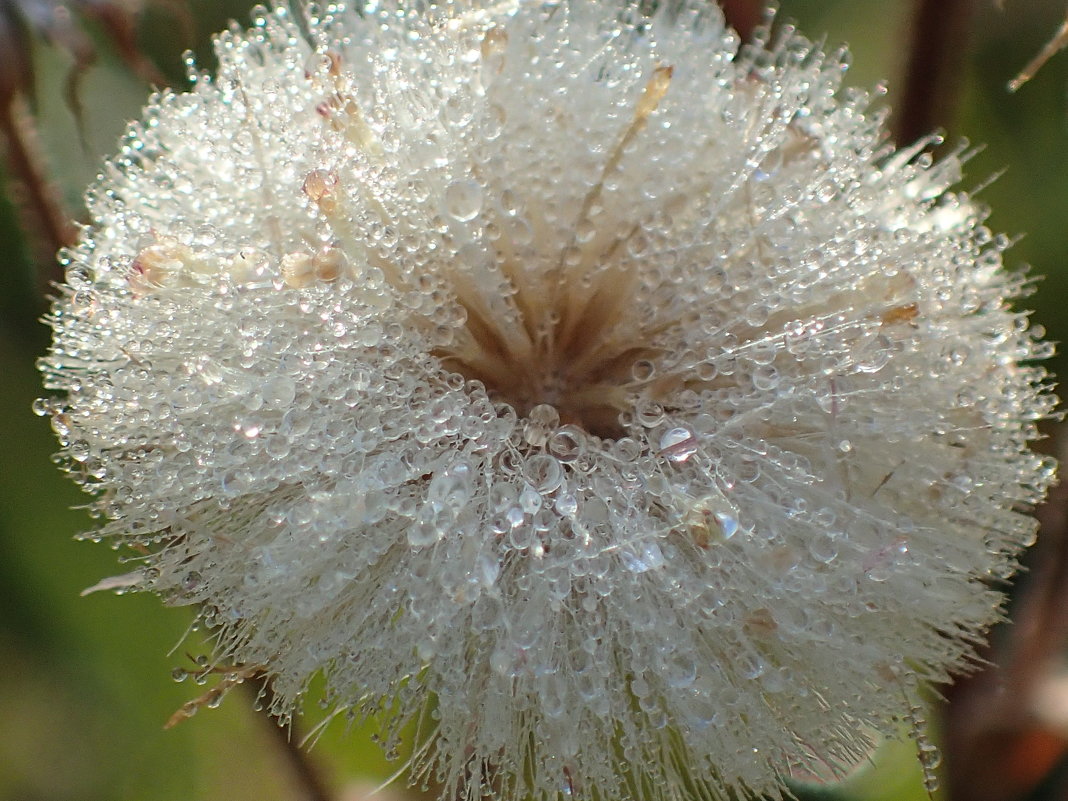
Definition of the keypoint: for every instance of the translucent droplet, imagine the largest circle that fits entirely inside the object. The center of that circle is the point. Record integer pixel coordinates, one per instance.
(678, 444)
(728, 524)
(679, 670)
(493, 49)
(463, 200)
(649, 413)
(279, 391)
(488, 570)
(567, 505)
(250, 264)
(81, 301)
(452, 486)
(643, 370)
(765, 378)
(642, 558)
(191, 581)
(319, 183)
(544, 473)
(423, 533)
(493, 121)
(529, 501)
(567, 444)
(501, 663)
(751, 666)
(541, 421)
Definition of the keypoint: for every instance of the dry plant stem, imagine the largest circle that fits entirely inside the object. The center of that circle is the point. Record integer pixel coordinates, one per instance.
(743, 15)
(1042, 619)
(41, 203)
(939, 33)
(119, 21)
(305, 772)
(121, 25)
(1057, 43)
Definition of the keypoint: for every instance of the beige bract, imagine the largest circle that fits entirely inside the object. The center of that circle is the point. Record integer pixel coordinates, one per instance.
(611, 400)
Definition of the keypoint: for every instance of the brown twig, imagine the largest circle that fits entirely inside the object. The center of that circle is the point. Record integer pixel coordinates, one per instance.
(1053, 46)
(304, 770)
(939, 35)
(743, 15)
(41, 203)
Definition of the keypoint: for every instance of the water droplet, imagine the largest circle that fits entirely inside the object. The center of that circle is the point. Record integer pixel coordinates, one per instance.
(191, 581)
(488, 570)
(501, 663)
(452, 486)
(463, 200)
(649, 413)
(642, 557)
(541, 421)
(567, 444)
(679, 670)
(643, 370)
(249, 265)
(79, 451)
(81, 301)
(319, 183)
(493, 121)
(423, 533)
(529, 500)
(678, 444)
(493, 49)
(728, 524)
(750, 665)
(567, 505)
(544, 473)
(279, 391)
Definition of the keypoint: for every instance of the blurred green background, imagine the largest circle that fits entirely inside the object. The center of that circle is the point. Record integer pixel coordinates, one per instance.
(85, 683)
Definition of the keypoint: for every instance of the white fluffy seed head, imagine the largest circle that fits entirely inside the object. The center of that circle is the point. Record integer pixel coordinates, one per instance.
(610, 399)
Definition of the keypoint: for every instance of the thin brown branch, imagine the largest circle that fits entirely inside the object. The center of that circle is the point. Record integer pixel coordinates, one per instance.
(1053, 46)
(939, 35)
(743, 15)
(46, 217)
(304, 770)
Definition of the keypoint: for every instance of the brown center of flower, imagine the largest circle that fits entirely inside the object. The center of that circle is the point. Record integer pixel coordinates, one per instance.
(584, 376)
(558, 335)
(562, 341)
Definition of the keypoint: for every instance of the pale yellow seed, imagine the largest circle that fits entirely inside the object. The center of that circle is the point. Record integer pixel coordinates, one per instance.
(298, 270)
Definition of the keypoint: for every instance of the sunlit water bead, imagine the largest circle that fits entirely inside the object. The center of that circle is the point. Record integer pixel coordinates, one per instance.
(463, 200)
(678, 444)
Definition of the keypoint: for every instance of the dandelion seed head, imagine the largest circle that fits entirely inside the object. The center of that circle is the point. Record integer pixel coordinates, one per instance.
(607, 398)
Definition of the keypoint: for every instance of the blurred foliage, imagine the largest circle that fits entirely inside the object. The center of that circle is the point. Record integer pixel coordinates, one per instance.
(84, 682)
